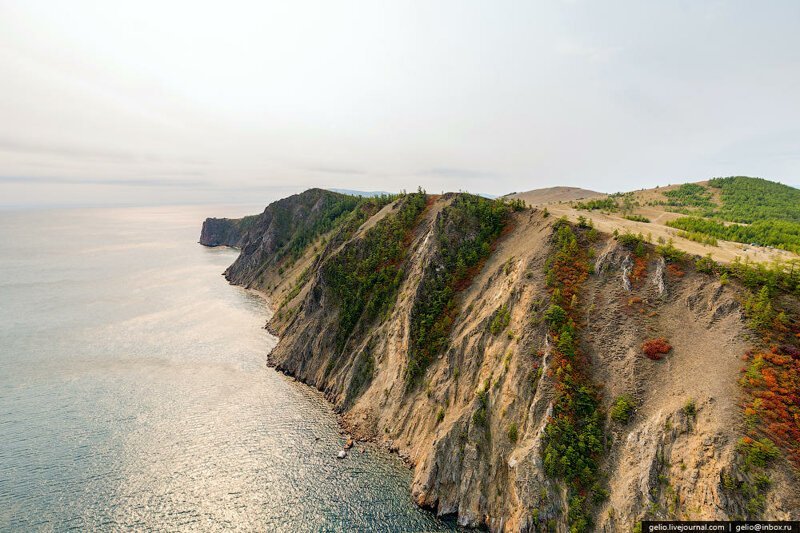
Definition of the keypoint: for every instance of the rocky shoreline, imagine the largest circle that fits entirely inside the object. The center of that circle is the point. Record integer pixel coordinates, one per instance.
(347, 429)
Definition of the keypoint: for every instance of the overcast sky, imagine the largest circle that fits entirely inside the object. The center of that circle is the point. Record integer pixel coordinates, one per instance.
(141, 102)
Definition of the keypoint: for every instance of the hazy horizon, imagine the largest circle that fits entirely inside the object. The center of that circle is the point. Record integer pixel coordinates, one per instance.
(153, 103)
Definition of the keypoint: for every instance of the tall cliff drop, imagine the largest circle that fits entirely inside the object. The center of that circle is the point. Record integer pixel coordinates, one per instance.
(432, 323)
(222, 232)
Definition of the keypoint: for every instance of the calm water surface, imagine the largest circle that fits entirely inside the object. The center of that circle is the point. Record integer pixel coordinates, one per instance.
(134, 391)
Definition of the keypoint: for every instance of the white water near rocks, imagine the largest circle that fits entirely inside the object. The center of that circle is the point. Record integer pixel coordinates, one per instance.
(134, 392)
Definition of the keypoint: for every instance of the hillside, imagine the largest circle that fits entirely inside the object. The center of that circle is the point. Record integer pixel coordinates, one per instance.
(738, 217)
(553, 195)
(538, 374)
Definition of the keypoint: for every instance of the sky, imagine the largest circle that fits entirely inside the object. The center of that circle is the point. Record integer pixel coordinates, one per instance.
(113, 103)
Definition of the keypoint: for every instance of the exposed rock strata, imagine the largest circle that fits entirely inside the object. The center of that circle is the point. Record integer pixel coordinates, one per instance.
(664, 464)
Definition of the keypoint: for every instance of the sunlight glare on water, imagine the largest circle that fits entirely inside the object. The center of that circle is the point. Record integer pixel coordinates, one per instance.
(134, 391)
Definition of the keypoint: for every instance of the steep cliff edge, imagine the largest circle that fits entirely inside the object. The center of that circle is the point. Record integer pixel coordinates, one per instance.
(480, 340)
(224, 231)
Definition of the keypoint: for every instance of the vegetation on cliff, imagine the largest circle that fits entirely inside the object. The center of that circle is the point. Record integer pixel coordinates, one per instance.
(471, 420)
(656, 349)
(771, 376)
(464, 233)
(573, 437)
(285, 230)
(364, 275)
(294, 237)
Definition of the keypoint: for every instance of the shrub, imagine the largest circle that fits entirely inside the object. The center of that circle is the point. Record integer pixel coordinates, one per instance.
(631, 240)
(513, 432)
(605, 204)
(669, 252)
(706, 264)
(479, 416)
(757, 452)
(555, 316)
(622, 409)
(690, 409)
(706, 240)
(500, 321)
(655, 349)
(772, 379)
(759, 309)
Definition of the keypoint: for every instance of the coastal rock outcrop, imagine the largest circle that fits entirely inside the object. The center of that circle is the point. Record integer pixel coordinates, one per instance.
(221, 232)
(425, 321)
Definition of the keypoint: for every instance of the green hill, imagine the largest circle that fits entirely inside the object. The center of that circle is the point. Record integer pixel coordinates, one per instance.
(764, 212)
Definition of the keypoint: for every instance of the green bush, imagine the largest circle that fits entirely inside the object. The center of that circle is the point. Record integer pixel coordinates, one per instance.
(757, 452)
(555, 316)
(480, 414)
(670, 253)
(760, 310)
(622, 409)
(690, 408)
(706, 265)
(513, 432)
(500, 321)
(703, 239)
(632, 241)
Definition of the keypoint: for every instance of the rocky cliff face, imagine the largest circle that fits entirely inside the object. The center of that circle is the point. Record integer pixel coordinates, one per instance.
(428, 322)
(221, 232)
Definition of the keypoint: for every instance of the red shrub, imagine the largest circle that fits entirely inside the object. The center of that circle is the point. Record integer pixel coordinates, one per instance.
(773, 381)
(675, 270)
(639, 269)
(656, 348)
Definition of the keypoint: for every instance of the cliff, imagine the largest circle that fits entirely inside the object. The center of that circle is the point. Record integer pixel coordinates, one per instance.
(221, 232)
(539, 375)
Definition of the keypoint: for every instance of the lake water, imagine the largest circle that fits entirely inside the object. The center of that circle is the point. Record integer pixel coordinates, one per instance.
(134, 392)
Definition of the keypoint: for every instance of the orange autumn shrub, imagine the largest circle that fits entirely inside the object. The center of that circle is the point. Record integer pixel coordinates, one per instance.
(639, 270)
(675, 270)
(655, 349)
(773, 379)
